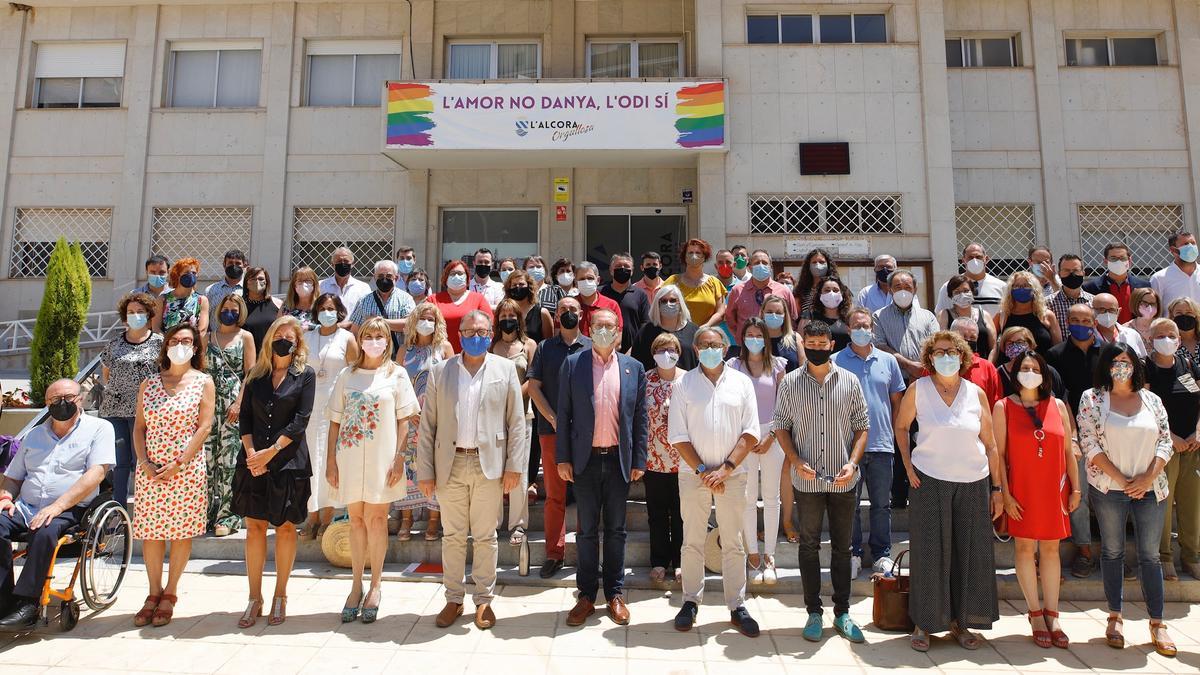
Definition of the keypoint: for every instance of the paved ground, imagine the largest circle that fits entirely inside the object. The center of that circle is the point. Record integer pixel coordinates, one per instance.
(531, 638)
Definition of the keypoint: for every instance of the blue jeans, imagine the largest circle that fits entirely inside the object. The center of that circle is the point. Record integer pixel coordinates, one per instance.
(876, 468)
(1081, 518)
(601, 491)
(1112, 509)
(123, 470)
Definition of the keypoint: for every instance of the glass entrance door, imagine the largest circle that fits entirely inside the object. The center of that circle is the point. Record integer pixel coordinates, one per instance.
(613, 229)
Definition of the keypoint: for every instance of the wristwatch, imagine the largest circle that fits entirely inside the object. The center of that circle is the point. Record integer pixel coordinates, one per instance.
(701, 469)
(997, 488)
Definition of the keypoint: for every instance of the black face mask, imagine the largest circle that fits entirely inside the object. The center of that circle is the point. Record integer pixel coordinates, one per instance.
(1185, 322)
(622, 275)
(569, 320)
(1073, 281)
(882, 275)
(651, 272)
(342, 269)
(518, 292)
(482, 271)
(508, 325)
(233, 271)
(385, 285)
(282, 347)
(973, 344)
(62, 411)
(818, 357)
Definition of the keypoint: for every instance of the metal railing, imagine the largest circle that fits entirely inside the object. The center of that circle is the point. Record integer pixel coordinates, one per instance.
(88, 377)
(99, 328)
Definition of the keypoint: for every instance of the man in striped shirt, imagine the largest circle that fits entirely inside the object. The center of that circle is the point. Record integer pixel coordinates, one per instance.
(821, 423)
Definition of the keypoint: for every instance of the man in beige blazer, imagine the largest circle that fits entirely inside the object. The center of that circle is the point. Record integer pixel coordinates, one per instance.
(471, 450)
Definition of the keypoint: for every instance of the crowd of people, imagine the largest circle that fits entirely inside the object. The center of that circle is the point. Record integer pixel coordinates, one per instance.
(1033, 405)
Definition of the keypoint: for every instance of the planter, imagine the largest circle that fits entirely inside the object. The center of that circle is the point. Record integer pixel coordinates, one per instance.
(13, 420)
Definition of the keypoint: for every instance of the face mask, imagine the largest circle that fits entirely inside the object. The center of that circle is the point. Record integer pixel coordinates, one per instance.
(135, 321)
(1036, 270)
(504, 275)
(711, 357)
(1166, 345)
(666, 360)
(818, 357)
(975, 266)
(725, 269)
(1106, 319)
(342, 269)
(947, 365)
(405, 266)
(1118, 267)
(1121, 371)
(157, 280)
(973, 345)
(568, 320)
(261, 286)
(604, 337)
(622, 275)
(761, 272)
(456, 282)
(327, 317)
(963, 299)
(902, 299)
(818, 269)
(1014, 349)
(651, 272)
(1022, 294)
(476, 345)
(538, 273)
(862, 336)
(587, 287)
(740, 262)
(385, 285)
(188, 279)
(790, 288)
(1185, 322)
(508, 325)
(1073, 281)
(416, 287)
(565, 279)
(1079, 332)
(229, 317)
(425, 327)
(482, 271)
(63, 410)
(1188, 253)
(518, 293)
(1029, 379)
(831, 299)
(882, 275)
(283, 346)
(773, 320)
(179, 354)
(304, 288)
(755, 345)
(695, 258)
(374, 347)
(669, 308)
(233, 272)
(1147, 310)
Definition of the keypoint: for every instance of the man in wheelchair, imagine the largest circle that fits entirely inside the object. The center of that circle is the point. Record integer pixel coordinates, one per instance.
(55, 474)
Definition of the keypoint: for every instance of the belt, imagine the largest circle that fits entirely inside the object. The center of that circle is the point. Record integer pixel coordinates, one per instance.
(467, 451)
(605, 451)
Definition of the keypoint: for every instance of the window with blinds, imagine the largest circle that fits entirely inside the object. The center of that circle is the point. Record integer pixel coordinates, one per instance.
(495, 60)
(350, 72)
(634, 58)
(78, 74)
(214, 74)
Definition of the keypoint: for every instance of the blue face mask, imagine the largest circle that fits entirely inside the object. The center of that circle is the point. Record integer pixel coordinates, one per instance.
(1080, 333)
(476, 345)
(405, 266)
(862, 336)
(136, 321)
(946, 364)
(761, 272)
(712, 357)
(157, 280)
(504, 275)
(773, 321)
(416, 287)
(538, 273)
(755, 345)
(187, 280)
(1022, 294)
(1188, 253)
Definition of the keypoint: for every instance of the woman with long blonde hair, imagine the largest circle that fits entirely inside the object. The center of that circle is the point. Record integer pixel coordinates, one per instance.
(1024, 305)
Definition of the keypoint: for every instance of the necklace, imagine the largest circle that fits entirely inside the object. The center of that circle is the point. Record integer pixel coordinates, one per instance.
(324, 355)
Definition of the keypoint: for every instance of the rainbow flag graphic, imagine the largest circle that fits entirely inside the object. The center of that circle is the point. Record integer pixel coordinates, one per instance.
(701, 111)
(408, 114)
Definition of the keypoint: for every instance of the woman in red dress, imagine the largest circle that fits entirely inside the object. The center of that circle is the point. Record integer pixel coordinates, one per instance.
(1040, 486)
(456, 301)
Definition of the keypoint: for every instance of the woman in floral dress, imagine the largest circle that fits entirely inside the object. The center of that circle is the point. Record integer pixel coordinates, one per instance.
(174, 416)
(183, 304)
(662, 463)
(302, 293)
(425, 345)
(229, 356)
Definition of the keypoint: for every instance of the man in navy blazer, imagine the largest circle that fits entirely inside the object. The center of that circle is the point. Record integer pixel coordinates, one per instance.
(601, 447)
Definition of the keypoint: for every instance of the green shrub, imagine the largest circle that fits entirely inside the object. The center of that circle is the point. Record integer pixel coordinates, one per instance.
(65, 302)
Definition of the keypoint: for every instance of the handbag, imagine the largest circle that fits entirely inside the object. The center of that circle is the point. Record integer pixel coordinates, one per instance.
(889, 608)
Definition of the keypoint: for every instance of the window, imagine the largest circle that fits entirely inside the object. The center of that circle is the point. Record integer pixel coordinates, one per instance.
(35, 232)
(510, 233)
(494, 61)
(350, 72)
(214, 75)
(635, 58)
(963, 52)
(1112, 51)
(1005, 230)
(367, 232)
(204, 233)
(779, 29)
(825, 214)
(79, 74)
(823, 28)
(1142, 227)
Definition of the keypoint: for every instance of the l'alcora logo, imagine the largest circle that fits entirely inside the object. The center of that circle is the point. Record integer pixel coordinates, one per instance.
(522, 127)
(561, 130)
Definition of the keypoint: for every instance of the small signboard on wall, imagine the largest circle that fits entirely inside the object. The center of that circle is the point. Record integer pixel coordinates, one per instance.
(839, 248)
(562, 190)
(560, 213)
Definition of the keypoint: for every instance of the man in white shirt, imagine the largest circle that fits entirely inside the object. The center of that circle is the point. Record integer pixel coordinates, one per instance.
(1181, 278)
(343, 284)
(482, 282)
(1108, 329)
(713, 423)
(988, 290)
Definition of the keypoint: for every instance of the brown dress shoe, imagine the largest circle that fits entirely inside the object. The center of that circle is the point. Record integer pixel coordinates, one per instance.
(580, 612)
(449, 613)
(485, 618)
(618, 611)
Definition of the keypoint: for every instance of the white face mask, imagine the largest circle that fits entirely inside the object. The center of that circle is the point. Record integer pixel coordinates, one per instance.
(976, 266)
(425, 327)
(1166, 345)
(831, 299)
(587, 287)
(565, 278)
(456, 281)
(1029, 379)
(1106, 319)
(903, 299)
(818, 269)
(261, 286)
(180, 354)
(373, 347)
(1118, 267)
(666, 359)
(963, 299)
(304, 288)
(605, 337)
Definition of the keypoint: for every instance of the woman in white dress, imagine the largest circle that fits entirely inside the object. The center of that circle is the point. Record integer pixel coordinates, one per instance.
(331, 349)
(369, 413)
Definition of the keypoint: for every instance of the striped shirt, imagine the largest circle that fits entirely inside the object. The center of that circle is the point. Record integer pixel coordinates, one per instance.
(1061, 305)
(904, 331)
(822, 418)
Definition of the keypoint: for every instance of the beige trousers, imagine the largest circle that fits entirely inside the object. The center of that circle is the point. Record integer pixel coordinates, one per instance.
(470, 504)
(695, 504)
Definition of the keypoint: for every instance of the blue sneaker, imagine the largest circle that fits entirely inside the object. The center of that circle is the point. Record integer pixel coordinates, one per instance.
(812, 629)
(846, 627)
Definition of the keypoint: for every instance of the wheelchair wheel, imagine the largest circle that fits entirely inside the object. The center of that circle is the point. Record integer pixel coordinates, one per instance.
(107, 548)
(68, 616)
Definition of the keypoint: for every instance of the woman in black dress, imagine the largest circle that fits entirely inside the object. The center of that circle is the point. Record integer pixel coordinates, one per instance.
(261, 308)
(1024, 306)
(271, 483)
(830, 302)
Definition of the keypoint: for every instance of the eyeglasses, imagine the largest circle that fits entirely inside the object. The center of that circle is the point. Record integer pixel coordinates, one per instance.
(938, 353)
(65, 398)
(482, 332)
(188, 342)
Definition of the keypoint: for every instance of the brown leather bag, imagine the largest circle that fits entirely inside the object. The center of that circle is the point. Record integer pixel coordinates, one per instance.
(890, 608)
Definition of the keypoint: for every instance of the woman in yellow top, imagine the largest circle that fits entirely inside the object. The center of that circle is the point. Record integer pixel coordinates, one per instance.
(703, 293)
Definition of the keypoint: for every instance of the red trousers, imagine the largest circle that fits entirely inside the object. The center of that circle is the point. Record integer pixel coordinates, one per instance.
(556, 502)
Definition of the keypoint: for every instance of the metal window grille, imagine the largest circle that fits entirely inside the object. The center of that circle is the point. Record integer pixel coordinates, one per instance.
(1006, 232)
(826, 214)
(1144, 228)
(318, 231)
(204, 233)
(35, 232)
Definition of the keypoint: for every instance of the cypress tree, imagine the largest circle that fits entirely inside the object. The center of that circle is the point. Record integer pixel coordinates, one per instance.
(54, 351)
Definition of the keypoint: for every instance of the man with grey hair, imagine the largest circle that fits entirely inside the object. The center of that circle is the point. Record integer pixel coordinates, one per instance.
(879, 294)
(388, 301)
(633, 301)
(471, 450)
(587, 282)
(342, 283)
(901, 327)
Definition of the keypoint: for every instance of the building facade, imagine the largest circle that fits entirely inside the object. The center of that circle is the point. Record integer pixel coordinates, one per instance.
(188, 128)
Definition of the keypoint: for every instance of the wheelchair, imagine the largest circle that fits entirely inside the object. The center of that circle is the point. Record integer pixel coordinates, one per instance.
(102, 545)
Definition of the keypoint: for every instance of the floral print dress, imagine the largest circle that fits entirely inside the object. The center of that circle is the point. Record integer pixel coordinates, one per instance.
(367, 405)
(225, 367)
(181, 310)
(175, 508)
(661, 457)
(418, 361)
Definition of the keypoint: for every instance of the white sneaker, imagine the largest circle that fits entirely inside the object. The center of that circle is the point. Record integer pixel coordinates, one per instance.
(769, 576)
(883, 565)
(855, 566)
(754, 574)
